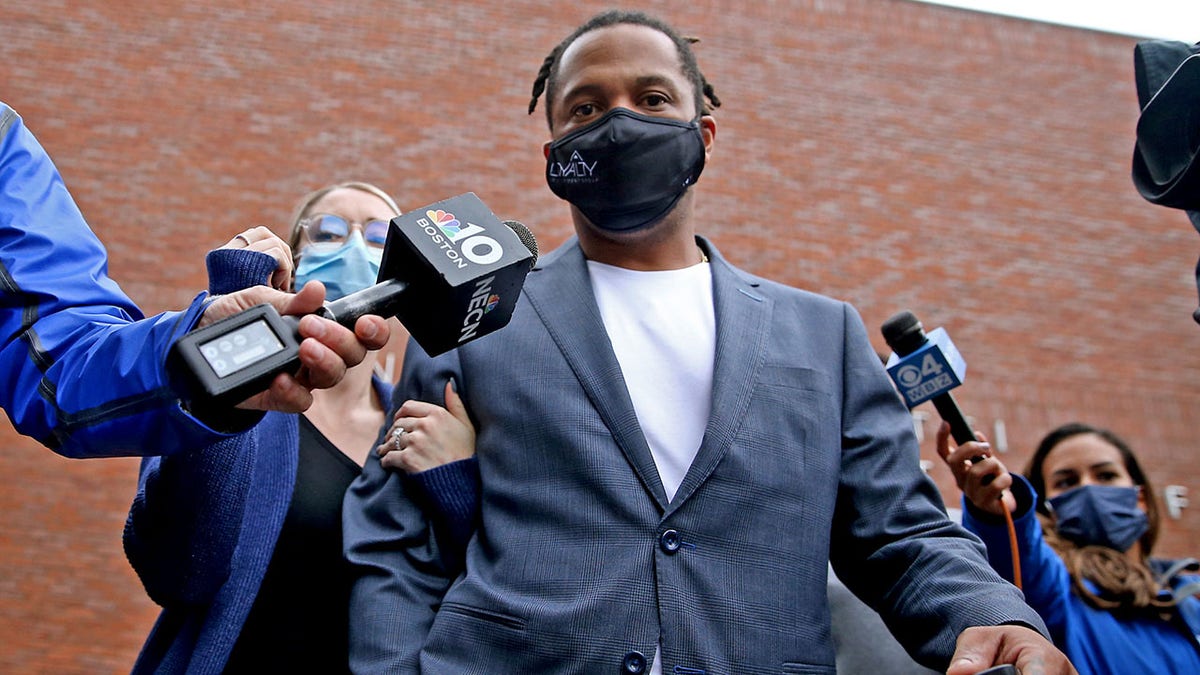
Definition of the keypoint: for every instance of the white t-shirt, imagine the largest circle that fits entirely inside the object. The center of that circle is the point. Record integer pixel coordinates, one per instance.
(663, 330)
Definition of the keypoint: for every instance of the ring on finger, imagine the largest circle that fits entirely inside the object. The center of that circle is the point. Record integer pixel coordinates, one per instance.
(397, 434)
(243, 238)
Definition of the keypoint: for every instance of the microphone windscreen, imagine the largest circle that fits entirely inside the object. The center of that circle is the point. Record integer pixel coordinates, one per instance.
(903, 332)
(526, 238)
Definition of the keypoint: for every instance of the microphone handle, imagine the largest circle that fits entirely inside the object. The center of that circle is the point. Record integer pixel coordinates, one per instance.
(948, 408)
(382, 299)
(949, 411)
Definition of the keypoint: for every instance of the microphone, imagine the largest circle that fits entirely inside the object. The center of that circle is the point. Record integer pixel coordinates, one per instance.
(927, 367)
(447, 282)
(926, 370)
(526, 238)
(451, 273)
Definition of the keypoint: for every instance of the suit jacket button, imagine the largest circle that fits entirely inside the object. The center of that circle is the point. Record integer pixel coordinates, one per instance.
(634, 662)
(669, 541)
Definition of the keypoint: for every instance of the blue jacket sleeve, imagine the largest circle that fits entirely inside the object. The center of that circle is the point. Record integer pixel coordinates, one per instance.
(451, 498)
(84, 370)
(232, 269)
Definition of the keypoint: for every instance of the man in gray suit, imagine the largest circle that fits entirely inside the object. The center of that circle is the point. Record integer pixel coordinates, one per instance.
(671, 450)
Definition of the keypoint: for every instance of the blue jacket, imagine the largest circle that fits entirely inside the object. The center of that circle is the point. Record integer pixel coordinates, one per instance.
(203, 525)
(1096, 640)
(581, 563)
(82, 371)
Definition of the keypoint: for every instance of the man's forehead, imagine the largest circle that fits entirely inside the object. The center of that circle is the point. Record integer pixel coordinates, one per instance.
(619, 54)
(611, 46)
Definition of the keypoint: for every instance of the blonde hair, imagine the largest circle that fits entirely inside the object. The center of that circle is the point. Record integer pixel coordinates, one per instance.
(305, 204)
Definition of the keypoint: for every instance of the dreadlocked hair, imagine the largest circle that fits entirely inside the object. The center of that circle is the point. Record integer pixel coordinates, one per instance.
(1125, 586)
(706, 97)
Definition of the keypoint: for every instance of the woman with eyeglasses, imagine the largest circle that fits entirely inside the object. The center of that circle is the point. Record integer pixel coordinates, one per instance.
(1085, 518)
(240, 543)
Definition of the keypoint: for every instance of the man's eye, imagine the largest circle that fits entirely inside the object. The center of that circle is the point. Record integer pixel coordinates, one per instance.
(656, 100)
(585, 110)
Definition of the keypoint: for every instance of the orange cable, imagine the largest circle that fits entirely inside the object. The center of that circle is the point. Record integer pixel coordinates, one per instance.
(1012, 543)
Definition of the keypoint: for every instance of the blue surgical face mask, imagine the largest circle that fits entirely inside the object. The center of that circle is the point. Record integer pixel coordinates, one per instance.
(344, 269)
(1101, 515)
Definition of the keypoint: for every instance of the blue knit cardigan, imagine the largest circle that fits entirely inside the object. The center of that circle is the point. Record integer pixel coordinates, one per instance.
(203, 525)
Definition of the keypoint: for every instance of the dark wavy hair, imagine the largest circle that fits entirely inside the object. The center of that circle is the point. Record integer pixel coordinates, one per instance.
(547, 77)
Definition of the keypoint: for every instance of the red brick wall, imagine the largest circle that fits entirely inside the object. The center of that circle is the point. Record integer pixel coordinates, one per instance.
(971, 168)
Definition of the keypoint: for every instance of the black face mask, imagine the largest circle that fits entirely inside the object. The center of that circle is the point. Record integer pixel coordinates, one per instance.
(626, 171)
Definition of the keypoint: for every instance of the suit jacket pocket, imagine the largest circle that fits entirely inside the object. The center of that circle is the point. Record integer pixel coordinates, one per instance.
(807, 669)
(795, 377)
(794, 417)
(478, 614)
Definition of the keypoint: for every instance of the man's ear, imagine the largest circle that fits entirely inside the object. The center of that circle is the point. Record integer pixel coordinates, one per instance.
(708, 132)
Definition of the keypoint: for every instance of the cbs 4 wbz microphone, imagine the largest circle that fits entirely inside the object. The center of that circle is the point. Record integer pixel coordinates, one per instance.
(925, 368)
(451, 272)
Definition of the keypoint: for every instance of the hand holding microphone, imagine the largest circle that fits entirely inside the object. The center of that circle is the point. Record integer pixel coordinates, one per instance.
(982, 477)
(451, 273)
(323, 359)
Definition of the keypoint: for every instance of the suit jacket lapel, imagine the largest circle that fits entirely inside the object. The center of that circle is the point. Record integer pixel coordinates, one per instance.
(560, 291)
(742, 318)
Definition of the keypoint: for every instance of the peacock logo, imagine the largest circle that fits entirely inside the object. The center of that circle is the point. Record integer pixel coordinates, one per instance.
(446, 222)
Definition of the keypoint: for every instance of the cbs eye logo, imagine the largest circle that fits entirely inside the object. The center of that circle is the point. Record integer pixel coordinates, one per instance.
(908, 376)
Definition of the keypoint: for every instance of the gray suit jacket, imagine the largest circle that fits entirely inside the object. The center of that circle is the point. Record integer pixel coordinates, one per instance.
(580, 563)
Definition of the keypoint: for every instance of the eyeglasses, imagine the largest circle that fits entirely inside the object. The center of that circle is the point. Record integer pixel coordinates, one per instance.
(327, 230)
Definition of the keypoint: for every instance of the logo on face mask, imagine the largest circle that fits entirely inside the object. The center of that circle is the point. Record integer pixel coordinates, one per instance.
(574, 169)
(461, 244)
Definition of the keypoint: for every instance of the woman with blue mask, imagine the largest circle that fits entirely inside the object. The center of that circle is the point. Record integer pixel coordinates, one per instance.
(338, 235)
(1085, 518)
(241, 542)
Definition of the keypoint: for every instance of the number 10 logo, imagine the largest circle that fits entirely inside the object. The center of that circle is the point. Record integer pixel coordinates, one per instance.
(470, 240)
